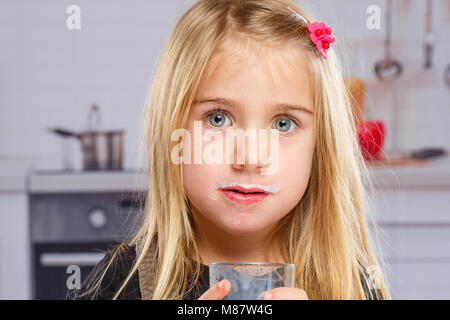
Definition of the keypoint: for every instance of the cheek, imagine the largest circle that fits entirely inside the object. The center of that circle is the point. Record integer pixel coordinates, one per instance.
(193, 180)
(199, 182)
(295, 171)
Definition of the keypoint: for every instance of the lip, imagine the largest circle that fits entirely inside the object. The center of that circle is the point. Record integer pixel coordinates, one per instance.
(244, 198)
(246, 193)
(274, 188)
(244, 189)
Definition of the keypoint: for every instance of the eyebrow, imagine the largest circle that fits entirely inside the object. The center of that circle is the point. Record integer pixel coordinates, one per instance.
(232, 103)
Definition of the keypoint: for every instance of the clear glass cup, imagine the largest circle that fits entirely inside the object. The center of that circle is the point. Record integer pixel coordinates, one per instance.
(250, 279)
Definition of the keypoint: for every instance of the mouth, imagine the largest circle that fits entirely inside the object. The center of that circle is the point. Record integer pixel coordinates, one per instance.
(243, 195)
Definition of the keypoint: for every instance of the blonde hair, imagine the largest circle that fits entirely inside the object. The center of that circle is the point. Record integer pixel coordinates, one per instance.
(327, 232)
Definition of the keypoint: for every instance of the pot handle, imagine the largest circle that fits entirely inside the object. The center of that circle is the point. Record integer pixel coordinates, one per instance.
(63, 132)
(93, 115)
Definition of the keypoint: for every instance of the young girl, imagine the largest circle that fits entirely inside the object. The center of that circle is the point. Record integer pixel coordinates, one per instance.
(253, 64)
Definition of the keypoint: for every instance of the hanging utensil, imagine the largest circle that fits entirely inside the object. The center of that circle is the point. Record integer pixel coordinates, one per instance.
(447, 76)
(429, 38)
(388, 68)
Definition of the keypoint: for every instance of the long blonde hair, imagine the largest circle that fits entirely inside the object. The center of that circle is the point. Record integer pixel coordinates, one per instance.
(327, 232)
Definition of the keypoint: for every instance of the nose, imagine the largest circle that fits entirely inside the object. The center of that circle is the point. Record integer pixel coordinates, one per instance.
(251, 154)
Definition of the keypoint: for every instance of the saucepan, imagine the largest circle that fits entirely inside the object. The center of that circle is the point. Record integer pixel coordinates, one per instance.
(102, 150)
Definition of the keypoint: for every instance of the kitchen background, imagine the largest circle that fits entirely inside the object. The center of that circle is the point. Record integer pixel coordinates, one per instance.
(51, 76)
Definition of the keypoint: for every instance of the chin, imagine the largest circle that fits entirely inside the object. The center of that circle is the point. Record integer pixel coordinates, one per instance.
(241, 226)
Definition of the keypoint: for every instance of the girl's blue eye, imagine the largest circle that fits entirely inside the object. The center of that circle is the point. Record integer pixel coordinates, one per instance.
(219, 119)
(284, 124)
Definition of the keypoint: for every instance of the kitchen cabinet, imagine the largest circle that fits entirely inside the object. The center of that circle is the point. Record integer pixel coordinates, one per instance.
(14, 229)
(413, 217)
(14, 246)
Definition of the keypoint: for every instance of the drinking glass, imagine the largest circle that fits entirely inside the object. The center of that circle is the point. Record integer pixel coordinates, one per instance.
(250, 279)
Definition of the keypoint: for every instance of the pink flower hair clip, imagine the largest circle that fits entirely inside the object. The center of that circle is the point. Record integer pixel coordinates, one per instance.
(319, 33)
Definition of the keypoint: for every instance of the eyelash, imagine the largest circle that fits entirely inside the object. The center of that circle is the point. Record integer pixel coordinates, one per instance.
(219, 109)
(216, 109)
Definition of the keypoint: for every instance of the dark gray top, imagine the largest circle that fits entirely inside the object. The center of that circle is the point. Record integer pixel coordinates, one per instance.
(119, 269)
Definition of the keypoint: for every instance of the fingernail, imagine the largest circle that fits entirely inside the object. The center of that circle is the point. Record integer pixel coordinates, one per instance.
(222, 284)
(267, 296)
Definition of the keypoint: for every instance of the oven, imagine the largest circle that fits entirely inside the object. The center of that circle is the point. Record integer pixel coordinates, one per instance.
(70, 233)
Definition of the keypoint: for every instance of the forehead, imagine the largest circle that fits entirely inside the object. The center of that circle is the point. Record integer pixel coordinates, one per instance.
(246, 69)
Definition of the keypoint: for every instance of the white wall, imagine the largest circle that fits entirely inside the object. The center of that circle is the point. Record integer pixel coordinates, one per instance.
(50, 75)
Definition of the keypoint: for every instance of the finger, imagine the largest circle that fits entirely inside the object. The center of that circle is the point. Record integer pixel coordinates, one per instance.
(218, 292)
(285, 293)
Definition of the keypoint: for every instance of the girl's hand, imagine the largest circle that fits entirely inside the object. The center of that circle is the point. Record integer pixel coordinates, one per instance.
(218, 292)
(285, 293)
(221, 289)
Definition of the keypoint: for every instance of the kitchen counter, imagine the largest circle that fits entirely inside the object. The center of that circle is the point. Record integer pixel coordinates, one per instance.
(435, 174)
(85, 181)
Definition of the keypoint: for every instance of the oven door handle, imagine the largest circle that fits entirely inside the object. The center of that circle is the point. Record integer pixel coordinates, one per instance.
(48, 259)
